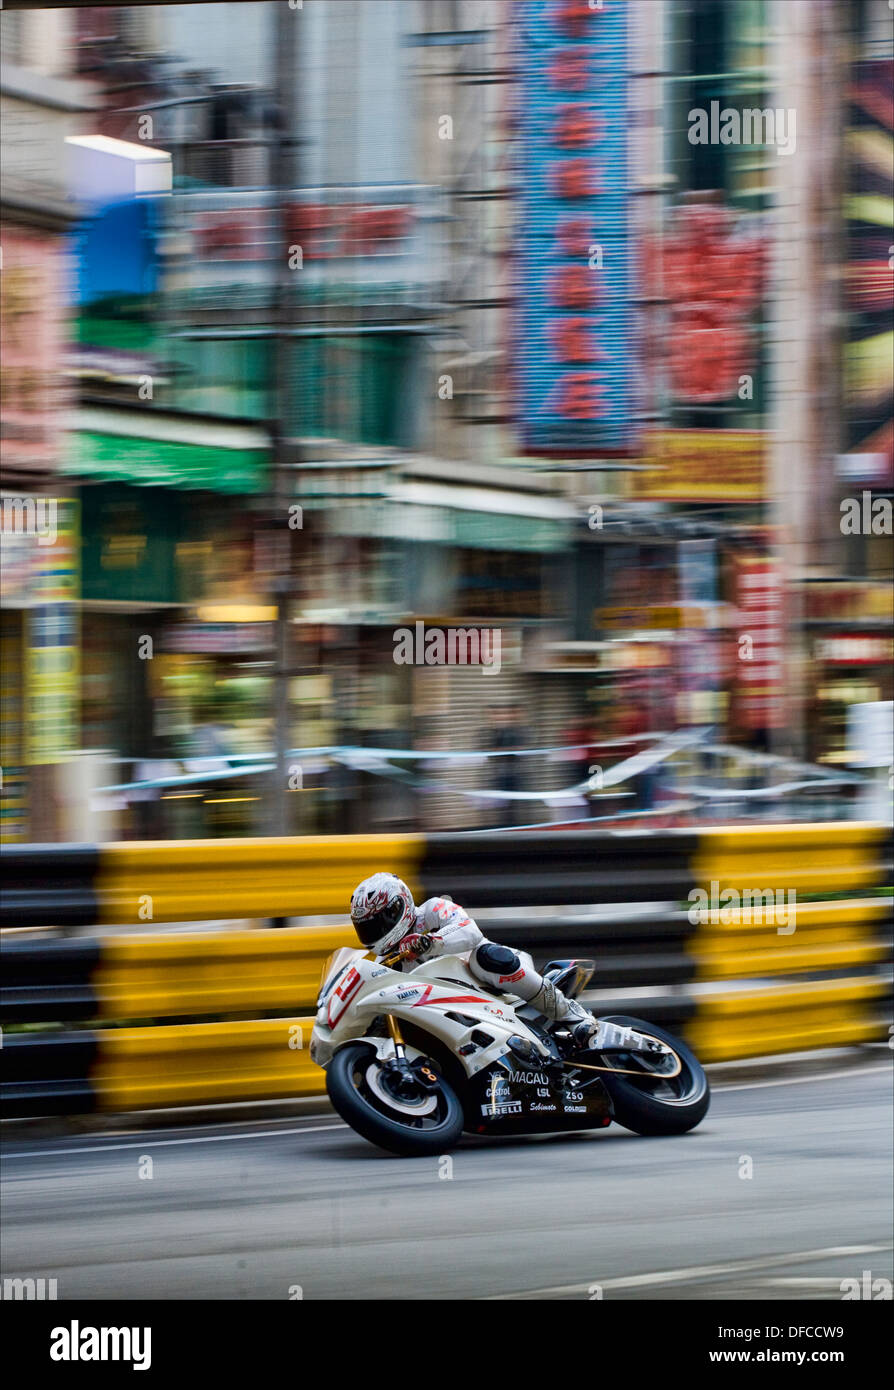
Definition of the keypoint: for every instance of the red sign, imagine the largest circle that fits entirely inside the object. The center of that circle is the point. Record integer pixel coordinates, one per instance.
(713, 279)
(760, 638)
(855, 649)
(322, 231)
(31, 337)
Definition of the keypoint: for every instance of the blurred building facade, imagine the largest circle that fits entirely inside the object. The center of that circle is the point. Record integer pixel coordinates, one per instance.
(41, 104)
(467, 312)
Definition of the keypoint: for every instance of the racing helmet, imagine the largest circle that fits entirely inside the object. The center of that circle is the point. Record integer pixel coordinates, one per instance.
(382, 910)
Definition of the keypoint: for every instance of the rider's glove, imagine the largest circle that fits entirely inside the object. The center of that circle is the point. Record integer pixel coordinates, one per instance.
(416, 945)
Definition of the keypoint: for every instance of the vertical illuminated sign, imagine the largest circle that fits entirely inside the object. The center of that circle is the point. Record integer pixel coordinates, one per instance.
(760, 599)
(53, 662)
(573, 261)
(869, 353)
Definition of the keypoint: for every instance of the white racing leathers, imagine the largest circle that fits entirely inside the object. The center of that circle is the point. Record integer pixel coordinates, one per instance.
(453, 932)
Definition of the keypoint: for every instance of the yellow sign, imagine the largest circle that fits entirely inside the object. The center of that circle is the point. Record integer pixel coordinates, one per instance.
(702, 466)
(52, 668)
(652, 618)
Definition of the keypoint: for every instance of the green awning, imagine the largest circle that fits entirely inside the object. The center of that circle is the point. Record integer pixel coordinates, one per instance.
(165, 463)
(504, 531)
(396, 519)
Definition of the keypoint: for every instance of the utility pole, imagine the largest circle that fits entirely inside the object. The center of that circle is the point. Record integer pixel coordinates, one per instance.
(284, 291)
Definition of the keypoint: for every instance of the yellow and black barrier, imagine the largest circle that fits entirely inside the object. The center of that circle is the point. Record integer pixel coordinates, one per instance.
(210, 880)
(748, 918)
(806, 859)
(216, 880)
(152, 1068)
(204, 974)
(764, 939)
(204, 1064)
(213, 974)
(790, 1018)
(120, 1069)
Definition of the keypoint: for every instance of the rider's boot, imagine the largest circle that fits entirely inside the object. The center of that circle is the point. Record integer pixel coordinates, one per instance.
(586, 1031)
(597, 1033)
(557, 1006)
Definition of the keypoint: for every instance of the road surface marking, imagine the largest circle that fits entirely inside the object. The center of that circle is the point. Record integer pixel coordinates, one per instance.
(696, 1272)
(157, 1143)
(798, 1080)
(100, 1147)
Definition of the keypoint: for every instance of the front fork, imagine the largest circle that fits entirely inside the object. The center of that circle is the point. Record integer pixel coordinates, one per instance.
(396, 1037)
(420, 1073)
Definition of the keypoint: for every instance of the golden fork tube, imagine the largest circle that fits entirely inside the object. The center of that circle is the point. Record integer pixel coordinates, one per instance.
(394, 1034)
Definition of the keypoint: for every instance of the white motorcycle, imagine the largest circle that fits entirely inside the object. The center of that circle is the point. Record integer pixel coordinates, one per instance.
(414, 1060)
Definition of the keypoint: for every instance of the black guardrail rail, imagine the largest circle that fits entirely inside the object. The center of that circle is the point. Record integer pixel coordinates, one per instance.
(547, 868)
(49, 885)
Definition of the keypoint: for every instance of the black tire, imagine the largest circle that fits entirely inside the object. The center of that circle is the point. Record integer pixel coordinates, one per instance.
(366, 1113)
(647, 1106)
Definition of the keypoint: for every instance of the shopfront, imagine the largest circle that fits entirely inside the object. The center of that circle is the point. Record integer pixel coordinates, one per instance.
(850, 650)
(177, 635)
(39, 654)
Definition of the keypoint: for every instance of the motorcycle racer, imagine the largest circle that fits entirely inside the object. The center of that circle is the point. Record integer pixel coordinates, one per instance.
(386, 919)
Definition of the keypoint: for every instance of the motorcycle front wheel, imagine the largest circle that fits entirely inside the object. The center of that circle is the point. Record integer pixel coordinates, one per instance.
(413, 1125)
(656, 1102)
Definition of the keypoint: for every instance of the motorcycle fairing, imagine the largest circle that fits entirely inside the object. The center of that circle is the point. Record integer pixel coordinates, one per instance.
(518, 1099)
(441, 996)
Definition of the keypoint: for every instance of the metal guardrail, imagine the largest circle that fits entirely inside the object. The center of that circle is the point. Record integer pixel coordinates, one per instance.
(823, 936)
(141, 883)
(116, 979)
(112, 984)
(119, 979)
(791, 1018)
(49, 885)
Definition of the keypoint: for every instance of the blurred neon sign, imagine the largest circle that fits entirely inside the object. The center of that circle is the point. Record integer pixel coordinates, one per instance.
(324, 231)
(574, 256)
(713, 278)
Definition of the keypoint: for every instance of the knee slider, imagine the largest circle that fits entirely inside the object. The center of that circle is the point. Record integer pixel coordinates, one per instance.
(496, 960)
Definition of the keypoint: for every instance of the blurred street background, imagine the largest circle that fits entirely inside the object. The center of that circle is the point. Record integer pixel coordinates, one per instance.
(322, 321)
(427, 416)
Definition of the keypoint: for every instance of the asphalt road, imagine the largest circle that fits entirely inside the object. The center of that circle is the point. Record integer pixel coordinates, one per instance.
(261, 1209)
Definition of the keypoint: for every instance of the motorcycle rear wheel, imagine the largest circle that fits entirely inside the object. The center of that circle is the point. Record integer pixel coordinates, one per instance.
(402, 1127)
(652, 1105)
